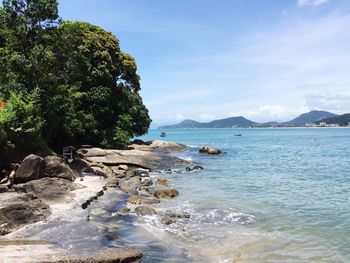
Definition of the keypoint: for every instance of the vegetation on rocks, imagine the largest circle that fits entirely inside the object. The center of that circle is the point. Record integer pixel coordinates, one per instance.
(63, 83)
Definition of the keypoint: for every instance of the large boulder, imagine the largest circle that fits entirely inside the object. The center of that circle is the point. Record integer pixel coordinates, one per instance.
(166, 193)
(80, 166)
(57, 167)
(209, 150)
(31, 168)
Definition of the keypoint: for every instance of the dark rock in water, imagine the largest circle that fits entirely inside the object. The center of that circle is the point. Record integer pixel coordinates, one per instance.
(57, 167)
(141, 173)
(167, 220)
(168, 171)
(166, 193)
(171, 214)
(139, 200)
(31, 168)
(194, 169)
(124, 210)
(145, 210)
(19, 210)
(209, 150)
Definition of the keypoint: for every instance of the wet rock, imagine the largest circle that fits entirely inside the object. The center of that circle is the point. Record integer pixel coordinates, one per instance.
(141, 173)
(139, 200)
(145, 210)
(131, 185)
(162, 181)
(209, 150)
(194, 169)
(57, 167)
(171, 214)
(166, 193)
(147, 182)
(124, 210)
(18, 210)
(31, 168)
(167, 220)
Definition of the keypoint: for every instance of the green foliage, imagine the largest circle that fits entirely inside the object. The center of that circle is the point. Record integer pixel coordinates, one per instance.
(64, 82)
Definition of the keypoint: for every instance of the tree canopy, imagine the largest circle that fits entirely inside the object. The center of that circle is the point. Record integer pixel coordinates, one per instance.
(63, 83)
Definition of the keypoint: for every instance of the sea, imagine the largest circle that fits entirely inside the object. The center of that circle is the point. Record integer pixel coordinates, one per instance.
(273, 195)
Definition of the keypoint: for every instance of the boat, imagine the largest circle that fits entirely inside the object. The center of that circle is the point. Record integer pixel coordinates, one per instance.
(238, 134)
(162, 134)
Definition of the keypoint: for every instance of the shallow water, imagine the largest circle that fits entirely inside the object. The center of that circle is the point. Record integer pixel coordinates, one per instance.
(275, 195)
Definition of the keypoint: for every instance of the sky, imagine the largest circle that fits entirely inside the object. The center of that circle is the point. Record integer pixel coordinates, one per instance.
(267, 60)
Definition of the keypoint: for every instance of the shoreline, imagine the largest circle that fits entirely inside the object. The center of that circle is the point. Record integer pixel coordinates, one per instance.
(74, 223)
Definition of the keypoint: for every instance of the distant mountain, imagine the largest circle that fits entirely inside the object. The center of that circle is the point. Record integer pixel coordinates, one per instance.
(186, 124)
(230, 122)
(312, 116)
(342, 120)
(224, 123)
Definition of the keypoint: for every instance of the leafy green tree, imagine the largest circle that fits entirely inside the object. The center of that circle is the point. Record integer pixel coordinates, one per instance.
(64, 82)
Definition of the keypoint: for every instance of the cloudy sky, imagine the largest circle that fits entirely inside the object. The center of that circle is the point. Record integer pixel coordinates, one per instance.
(267, 60)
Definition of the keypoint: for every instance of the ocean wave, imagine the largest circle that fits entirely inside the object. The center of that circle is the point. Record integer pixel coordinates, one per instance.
(230, 217)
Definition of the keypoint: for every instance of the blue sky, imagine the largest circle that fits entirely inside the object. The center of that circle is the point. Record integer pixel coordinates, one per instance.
(205, 59)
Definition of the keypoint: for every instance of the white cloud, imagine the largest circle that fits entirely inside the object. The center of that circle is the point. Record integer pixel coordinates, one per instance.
(303, 3)
(335, 102)
(179, 116)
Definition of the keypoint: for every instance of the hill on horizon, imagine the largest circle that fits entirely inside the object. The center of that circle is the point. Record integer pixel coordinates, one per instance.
(222, 123)
(240, 121)
(342, 120)
(312, 116)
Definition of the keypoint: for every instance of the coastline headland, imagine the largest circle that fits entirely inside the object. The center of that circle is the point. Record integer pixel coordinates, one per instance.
(52, 210)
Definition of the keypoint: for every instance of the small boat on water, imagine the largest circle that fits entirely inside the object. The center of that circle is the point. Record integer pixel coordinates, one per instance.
(163, 134)
(239, 134)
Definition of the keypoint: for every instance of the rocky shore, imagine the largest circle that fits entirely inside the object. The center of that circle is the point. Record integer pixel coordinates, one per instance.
(48, 205)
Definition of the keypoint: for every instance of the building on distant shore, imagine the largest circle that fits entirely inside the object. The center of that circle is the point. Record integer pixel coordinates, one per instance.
(310, 124)
(323, 124)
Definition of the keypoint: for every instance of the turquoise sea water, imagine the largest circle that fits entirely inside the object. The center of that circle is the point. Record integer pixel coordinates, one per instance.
(275, 195)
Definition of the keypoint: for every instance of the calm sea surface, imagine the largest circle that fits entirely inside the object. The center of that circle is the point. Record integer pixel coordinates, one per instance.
(275, 195)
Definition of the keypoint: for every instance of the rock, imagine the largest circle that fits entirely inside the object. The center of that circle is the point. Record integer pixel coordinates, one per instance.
(167, 220)
(4, 189)
(124, 210)
(194, 169)
(166, 193)
(147, 182)
(141, 173)
(89, 152)
(18, 210)
(57, 167)
(162, 181)
(130, 186)
(139, 200)
(123, 167)
(171, 214)
(138, 142)
(49, 189)
(145, 210)
(30, 169)
(209, 150)
(81, 166)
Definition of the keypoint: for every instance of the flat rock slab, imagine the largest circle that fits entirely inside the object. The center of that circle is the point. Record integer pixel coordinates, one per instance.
(50, 254)
(50, 189)
(17, 210)
(144, 159)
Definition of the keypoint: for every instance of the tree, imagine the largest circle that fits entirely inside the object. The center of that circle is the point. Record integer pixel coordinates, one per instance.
(83, 88)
